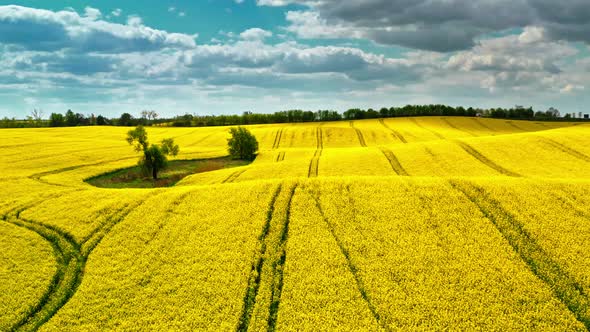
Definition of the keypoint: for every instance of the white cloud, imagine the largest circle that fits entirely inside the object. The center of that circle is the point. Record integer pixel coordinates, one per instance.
(255, 34)
(569, 88)
(309, 25)
(75, 56)
(39, 29)
(92, 13)
(117, 12)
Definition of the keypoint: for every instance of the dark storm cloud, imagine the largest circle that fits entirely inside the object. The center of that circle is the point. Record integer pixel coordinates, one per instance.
(451, 25)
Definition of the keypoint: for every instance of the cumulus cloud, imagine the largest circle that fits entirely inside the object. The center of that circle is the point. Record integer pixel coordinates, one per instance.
(255, 34)
(37, 29)
(437, 25)
(56, 51)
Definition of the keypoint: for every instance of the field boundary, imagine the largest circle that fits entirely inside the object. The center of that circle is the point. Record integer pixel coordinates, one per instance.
(484, 160)
(351, 266)
(395, 133)
(563, 285)
(394, 162)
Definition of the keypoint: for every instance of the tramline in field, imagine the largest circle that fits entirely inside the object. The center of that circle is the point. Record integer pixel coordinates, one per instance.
(426, 223)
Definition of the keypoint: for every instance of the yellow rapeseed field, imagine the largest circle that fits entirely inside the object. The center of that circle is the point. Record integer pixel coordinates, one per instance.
(411, 224)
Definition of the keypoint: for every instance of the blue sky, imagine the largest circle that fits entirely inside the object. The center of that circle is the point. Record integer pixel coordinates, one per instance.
(230, 56)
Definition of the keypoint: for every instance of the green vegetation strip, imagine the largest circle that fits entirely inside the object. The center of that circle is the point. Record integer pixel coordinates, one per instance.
(477, 155)
(564, 286)
(133, 177)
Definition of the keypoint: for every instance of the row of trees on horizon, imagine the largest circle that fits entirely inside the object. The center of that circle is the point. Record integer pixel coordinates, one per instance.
(71, 119)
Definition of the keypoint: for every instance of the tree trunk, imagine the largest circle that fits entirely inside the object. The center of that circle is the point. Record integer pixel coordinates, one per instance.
(155, 173)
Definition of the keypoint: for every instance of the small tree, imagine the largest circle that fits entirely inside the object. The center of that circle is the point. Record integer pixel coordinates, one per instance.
(56, 120)
(125, 120)
(242, 145)
(154, 157)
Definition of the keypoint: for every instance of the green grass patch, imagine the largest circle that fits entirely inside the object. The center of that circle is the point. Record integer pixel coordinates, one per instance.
(133, 177)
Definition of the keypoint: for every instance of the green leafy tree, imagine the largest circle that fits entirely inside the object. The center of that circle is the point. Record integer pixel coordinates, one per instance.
(71, 119)
(126, 120)
(154, 158)
(101, 120)
(242, 145)
(56, 120)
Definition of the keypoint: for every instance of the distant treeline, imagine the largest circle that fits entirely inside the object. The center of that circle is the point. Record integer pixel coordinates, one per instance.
(71, 119)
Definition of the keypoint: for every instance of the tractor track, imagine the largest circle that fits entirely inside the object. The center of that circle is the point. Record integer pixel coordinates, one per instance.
(483, 125)
(565, 149)
(71, 257)
(359, 135)
(395, 133)
(269, 261)
(234, 176)
(394, 162)
(450, 124)
(413, 120)
(564, 286)
(361, 287)
(484, 160)
(277, 142)
(314, 164)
